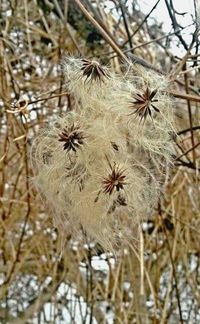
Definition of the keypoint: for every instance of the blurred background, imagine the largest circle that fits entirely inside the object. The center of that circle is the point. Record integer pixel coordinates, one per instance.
(41, 281)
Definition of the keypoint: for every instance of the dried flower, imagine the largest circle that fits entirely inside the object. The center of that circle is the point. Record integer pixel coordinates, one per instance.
(116, 179)
(72, 137)
(143, 103)
(80, 191)
(93, 70)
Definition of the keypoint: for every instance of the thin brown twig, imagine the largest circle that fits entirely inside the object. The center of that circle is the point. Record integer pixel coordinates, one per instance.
(12, 270)
(126, 24)
(174, 270)
(188, 151)
(190, 116)
(185, 96)
(142, 23)
(102, 31)
(188, 129)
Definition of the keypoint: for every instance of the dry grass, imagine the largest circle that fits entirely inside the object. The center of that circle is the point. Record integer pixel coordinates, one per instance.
(156, 278)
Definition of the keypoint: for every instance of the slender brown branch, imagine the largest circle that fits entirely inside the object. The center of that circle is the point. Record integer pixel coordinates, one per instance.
(188, 129)
(102, 31)
(188, 151)
(126, 24)
(190, 116)
(184, 96)
(142, 23)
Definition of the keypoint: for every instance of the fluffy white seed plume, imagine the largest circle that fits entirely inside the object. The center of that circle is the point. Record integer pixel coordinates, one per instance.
(101, 166)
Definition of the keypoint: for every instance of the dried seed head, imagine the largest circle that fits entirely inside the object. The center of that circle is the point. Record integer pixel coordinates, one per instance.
(115, 180)
(101, 128)
(143, 103)
(72, 137)
(93, 70)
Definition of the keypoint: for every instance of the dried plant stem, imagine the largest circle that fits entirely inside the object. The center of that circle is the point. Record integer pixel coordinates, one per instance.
(187, 130)
(142, 23)
(172, 252)
(68, 28)
(102, 31)
(141, 262)
(184, 96)
(188, 151)
(190, 116)
(18, 251)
